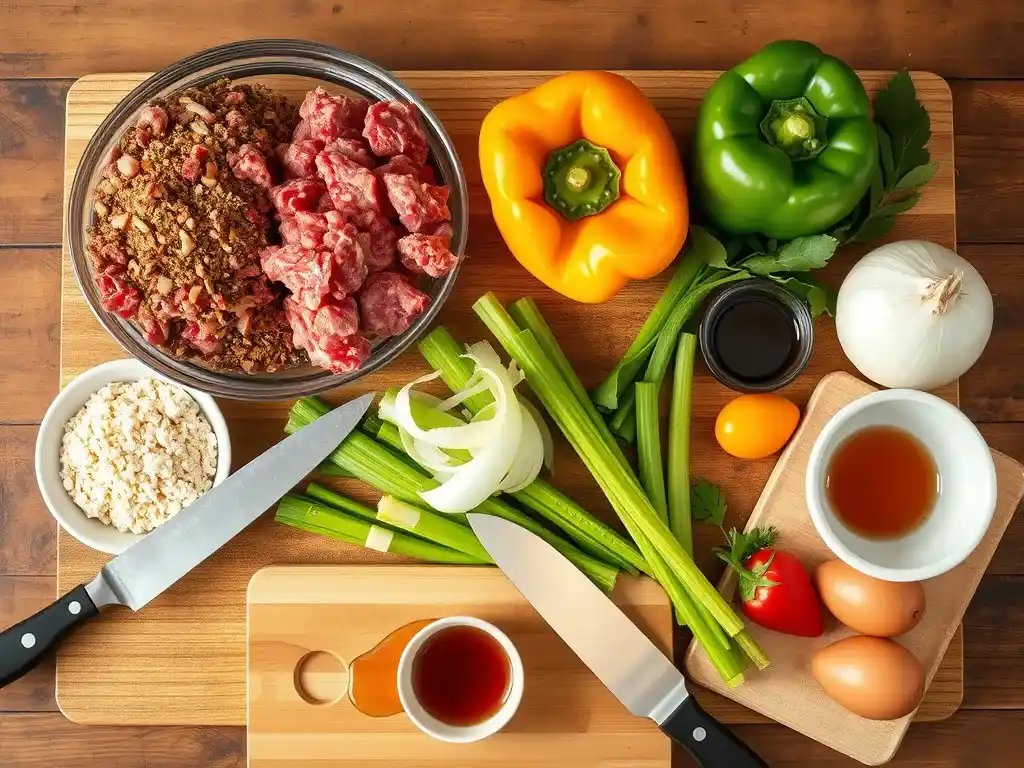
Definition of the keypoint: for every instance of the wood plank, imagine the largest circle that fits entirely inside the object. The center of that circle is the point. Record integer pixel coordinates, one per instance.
(975, 739)
(960, 40)
(989, 118)
(567, 718)
(1009, 558)
(993, 390)
(20, 597)
(166, 640)
(994, 655)
(31, 134)
(52, 741)
(28, 533)
(29, 329)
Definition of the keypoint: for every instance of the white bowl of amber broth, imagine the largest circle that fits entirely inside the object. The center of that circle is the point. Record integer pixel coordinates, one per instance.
(90, 531)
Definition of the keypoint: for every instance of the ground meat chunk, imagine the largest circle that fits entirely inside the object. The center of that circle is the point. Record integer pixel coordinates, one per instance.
(303, 228)
(353, 188)
(327, 117)
(389, 302)
(393, 128)
(379, 245)
(117, 296)
(402, 165)
(419, 206)
(312, 275)
(355, 149)
(329, 334)
(427, 254)
(297, 195)
(203, 341)
(195, 164)
(299, 159)
(251, 164)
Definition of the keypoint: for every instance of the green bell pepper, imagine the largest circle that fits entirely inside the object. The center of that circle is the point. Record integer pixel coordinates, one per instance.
(784, 143)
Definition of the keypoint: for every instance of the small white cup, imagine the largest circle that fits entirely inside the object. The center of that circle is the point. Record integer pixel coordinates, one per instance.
(459, 734)
(963, 509)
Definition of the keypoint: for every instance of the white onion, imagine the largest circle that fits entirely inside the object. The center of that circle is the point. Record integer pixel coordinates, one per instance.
(529, 456)
(913, 314)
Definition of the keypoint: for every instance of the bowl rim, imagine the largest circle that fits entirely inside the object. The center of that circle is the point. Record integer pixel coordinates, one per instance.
(986, 486)
(107, 538)
(250, 59)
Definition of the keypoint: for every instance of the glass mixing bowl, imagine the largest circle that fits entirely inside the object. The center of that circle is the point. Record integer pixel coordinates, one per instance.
(292, 67)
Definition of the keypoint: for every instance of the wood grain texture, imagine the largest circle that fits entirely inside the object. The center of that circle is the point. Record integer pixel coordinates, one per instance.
(990, 159)
(995, 654)
(21, 596)
(973, 40)
(194, 634)
(31, 127)
(993, 390)
(29, 326)
(28, 533)
(1009, 558)
(787, 692)
(567, 719)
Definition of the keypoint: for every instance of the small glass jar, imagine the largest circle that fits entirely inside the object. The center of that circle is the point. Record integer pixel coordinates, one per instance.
(292, 66)
(756, 336)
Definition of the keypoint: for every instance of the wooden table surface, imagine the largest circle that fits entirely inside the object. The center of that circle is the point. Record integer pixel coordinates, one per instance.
(46, 44)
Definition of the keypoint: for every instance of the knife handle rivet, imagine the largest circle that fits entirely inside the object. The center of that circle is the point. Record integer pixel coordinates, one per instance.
(74, 607)
(699, 734)
(28, 640)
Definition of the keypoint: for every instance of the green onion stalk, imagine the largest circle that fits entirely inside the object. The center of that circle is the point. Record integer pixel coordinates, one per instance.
(660, 548)
(679, 443)
(375, 464)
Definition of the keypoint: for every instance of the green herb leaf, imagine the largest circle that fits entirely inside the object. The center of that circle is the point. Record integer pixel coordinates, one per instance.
(707, 502)
(874, 228)
(800, 255)
(819, 298)
(907, 123)
(917, 177)
(711, 249)
(885, 154)
(901, 205)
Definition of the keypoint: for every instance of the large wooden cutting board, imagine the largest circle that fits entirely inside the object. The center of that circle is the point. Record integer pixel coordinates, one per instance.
(567, 718)
(786, 691)
(182, 660)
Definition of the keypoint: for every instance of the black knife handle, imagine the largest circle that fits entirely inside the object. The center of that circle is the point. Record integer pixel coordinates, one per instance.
(24, 645)
(711, 743)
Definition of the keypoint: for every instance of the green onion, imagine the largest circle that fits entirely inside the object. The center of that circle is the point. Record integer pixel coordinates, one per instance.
(341, 503)
(679, 443)
(623, 421)
(529, 318)
(591, 534)
(648, 432)
(308, 515)
(431, 526)
(612, 388)
(619, 484)
(332, 470)
(371, 462)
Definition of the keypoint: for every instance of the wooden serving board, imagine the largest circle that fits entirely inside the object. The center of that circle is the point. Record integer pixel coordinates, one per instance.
(567, 719)
(182, 660)
(786, 691)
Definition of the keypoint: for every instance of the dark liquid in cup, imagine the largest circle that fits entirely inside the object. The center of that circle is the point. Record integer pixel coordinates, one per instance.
(462, 676)
(882, 483)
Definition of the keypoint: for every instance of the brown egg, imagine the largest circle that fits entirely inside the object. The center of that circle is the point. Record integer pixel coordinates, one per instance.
(869, 605)
(871, 677)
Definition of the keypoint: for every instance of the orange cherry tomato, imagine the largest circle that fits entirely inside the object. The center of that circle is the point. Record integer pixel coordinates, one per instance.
(755, 426)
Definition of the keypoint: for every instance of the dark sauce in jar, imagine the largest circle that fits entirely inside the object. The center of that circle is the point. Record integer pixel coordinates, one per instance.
(755, 339)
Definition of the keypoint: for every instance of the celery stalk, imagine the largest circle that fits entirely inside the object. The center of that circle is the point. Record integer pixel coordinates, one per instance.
(612, 388)
(431, 526)
(342, 503)
(371, 462)
(619, 483)
(444, 354)
(648, 433)
(308, 515)
(588, 532)
(679, 443)
(623, 422)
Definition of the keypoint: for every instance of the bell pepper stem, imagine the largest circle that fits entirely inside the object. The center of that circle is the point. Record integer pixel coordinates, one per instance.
(794, 126)
(581, 180)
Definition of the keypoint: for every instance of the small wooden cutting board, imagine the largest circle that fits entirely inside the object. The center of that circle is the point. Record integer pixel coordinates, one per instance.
(326, 616)
(786, 691)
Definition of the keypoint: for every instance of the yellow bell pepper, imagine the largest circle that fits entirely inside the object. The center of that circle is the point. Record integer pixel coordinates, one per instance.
(585, 182)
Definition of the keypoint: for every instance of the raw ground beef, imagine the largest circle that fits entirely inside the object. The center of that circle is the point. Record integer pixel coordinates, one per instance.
(186, 214)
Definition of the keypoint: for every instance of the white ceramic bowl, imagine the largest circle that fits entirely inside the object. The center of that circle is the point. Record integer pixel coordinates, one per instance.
(89, 531)
(430, 725)
(967, 491)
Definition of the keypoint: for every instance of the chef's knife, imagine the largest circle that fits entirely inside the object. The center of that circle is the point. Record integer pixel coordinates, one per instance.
(614, 648)
(162, 557)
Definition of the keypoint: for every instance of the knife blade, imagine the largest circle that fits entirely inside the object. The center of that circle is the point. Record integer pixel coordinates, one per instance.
(612, 646)
(165, 555)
